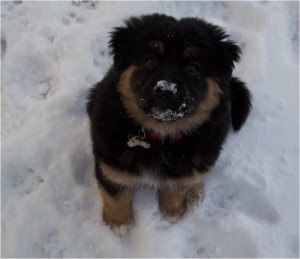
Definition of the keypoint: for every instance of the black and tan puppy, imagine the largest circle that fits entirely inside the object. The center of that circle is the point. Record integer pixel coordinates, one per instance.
(162, 113)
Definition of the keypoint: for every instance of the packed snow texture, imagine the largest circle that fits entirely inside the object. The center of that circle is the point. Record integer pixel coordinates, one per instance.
(53, 52)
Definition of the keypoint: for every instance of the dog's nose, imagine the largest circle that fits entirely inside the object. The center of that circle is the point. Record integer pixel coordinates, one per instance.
(165, 88)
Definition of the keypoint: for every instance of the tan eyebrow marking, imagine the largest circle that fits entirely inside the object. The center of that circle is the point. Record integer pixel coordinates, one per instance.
(157, 46)
(190, 52)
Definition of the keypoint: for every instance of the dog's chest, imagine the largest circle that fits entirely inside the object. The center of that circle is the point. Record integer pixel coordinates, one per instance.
(158, 159)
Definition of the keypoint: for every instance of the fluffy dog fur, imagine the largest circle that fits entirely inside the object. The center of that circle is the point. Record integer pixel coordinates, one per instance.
(161, 114)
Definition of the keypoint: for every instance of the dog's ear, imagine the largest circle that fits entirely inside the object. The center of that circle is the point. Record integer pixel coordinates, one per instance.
(228, 50)
(231, 53)
(125, 41)
(240, 102)
(119, 44)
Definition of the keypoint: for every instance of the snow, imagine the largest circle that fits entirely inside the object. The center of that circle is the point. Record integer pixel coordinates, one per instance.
(164, 85)
(168, 115)
(53, 52)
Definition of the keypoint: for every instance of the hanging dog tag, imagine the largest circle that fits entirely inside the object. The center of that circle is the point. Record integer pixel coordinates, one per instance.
(137, 141)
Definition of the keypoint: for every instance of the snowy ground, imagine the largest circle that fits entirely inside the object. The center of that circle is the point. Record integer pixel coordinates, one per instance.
(52, 52)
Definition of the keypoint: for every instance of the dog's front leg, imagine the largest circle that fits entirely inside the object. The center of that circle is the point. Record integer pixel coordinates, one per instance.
(117, 210)
(174, 202)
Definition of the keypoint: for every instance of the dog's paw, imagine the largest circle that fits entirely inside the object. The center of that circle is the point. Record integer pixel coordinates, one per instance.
(172, 219)
(122, 230)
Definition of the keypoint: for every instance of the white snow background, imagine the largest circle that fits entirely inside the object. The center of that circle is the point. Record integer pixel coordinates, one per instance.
(53, 52)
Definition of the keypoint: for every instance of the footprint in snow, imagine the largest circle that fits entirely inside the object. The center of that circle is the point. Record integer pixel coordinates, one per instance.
(28, 182)
(69, 20)
(44, 89)
(81, 163)
(241, 196)
(79, 19)
(85, 3)
(3, 46)
(214, 238)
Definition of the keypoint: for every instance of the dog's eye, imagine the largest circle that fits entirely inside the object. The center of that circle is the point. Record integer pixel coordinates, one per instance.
(150, 62)
(193, 69)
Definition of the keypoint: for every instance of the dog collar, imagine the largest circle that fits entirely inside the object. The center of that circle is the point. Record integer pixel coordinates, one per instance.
(153, 136)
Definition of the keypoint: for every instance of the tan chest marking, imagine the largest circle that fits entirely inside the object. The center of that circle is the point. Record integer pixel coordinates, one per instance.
(148, 178)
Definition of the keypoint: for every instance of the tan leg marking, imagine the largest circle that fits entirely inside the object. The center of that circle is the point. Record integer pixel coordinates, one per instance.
(174, 203)
(117, 210)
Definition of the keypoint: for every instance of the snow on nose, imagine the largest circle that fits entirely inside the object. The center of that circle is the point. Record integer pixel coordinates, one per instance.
(163, 85)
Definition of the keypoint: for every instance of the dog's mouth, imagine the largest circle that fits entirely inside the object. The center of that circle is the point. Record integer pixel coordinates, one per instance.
(161, 114)
(171, 110)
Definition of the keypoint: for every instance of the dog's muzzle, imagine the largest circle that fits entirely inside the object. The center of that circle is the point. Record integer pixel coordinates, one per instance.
(165, 89)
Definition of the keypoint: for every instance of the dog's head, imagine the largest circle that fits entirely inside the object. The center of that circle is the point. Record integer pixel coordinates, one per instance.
(169, 69)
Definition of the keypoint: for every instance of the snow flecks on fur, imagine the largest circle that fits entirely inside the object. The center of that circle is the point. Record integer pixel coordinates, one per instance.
(164, 85)
(168, 115)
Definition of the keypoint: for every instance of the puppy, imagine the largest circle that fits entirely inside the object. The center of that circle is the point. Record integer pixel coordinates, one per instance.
(162, 113)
